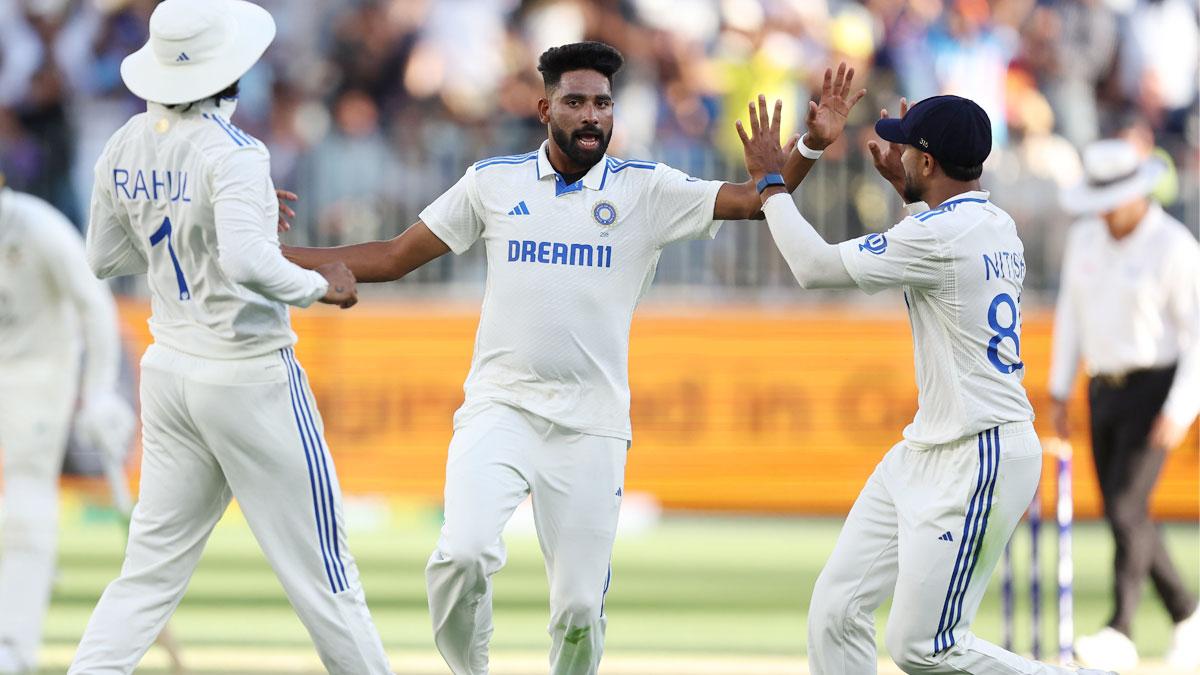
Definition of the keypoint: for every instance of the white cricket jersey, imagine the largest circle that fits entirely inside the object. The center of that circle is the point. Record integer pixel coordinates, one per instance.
(50, 304)
(961, 267)
(567, 265)
(186, 197)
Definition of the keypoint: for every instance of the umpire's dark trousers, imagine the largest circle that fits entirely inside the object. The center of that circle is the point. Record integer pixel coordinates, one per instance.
(1123, 411)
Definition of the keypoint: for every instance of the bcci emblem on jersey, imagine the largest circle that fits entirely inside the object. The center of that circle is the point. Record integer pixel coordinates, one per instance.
(874, 243)
(605, 214)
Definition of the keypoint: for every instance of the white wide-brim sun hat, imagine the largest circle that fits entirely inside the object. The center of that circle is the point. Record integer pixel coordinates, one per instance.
(196, 49)
(1114, 174)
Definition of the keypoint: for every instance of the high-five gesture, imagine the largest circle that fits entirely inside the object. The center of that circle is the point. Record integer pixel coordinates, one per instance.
(763, 152)
(827, 116)
(886, 155)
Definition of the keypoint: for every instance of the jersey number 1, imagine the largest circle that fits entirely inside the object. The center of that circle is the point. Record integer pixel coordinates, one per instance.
(164, 232)
(1004, 332)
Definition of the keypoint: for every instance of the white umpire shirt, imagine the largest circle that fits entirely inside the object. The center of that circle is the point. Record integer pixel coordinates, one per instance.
(51, 306)
(186, 197)
(567, 265)
(961, 267)
(1131, 304)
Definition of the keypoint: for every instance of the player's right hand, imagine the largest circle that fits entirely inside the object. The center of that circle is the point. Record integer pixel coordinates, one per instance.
(285, 211)
(343, 289)
(763, 153)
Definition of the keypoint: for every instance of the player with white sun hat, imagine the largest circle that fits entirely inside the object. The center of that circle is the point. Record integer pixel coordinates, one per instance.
(185, 197)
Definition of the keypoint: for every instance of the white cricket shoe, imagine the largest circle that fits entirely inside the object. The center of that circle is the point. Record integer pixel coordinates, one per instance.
(1109, 648)
(1184, 653)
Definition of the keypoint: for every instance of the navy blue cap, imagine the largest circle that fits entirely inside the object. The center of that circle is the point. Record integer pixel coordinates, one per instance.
(953, 129)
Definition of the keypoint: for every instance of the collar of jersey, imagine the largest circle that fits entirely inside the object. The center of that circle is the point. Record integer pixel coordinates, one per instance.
(207, 106)
(975, 196)
(594, 179)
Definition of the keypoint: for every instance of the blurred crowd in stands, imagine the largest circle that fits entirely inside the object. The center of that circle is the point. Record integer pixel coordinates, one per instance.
(371, 108)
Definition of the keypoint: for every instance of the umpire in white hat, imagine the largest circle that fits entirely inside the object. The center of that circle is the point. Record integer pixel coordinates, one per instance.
(1129, 309)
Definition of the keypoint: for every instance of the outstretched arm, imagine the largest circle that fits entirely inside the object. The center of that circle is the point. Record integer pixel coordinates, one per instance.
(825, 121)
(376, 261)
(814, 263)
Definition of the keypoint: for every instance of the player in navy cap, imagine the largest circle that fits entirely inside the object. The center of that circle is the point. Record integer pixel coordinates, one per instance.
(939, 144)
(931, 522)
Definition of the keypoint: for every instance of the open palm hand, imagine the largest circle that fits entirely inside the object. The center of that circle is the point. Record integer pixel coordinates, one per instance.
(827, 116)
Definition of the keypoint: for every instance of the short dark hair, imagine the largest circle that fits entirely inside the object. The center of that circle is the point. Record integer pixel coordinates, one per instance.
(961, 173)
(597, 56)
(231, 91)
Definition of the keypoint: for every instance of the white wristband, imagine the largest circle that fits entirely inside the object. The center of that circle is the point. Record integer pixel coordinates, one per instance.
(806, 151)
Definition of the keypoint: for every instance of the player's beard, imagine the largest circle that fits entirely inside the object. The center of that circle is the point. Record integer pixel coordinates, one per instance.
(569, 144)
(912, 191)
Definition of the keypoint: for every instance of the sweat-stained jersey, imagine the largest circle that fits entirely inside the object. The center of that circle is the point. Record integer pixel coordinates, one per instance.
(567, 265)
(961, 267)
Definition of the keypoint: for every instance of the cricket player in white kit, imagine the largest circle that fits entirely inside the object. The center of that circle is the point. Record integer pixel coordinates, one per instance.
(185, 197)
(52, 311)
(933, 519)
(572, 238)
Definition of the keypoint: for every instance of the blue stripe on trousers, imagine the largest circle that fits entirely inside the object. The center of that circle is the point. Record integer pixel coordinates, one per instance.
(993, 438)
(981, 504)
(962, 547)
(604, 593)
(323, 481)
(303, 432)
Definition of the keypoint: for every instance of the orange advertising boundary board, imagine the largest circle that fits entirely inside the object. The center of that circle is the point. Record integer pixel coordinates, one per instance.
(734, 410)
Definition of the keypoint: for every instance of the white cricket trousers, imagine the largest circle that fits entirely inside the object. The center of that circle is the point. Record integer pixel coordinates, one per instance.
(497, 457)
(928, 529)
(36, 404)
(246, 428)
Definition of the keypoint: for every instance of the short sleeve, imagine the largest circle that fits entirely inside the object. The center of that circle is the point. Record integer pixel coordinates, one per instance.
(682, 206)
(454, 216)
(907, 255)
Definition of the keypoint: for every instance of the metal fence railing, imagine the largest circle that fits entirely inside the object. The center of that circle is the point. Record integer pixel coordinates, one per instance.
(357, 192)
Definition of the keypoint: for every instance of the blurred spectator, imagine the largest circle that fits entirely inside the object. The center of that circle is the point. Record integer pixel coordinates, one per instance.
(1139, 133)
(1027, 179)
(969, 56)
(1159, 60)
(1071, 46)
(349, 173)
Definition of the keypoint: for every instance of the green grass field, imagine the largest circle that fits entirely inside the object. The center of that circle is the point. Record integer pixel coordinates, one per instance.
(692, 595)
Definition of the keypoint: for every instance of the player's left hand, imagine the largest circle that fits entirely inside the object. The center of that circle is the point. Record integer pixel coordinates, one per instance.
(286, 211)
(761, 148)
(1166, 434)
(827, 116)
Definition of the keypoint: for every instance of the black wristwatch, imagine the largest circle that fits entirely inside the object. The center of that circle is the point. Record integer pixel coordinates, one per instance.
(770, 180)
